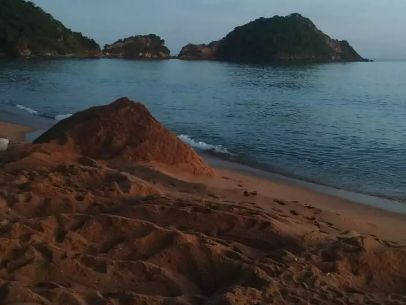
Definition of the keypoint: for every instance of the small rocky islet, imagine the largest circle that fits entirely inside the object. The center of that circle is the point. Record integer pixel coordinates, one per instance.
(293, 38)
(28, 31)
(138, 47)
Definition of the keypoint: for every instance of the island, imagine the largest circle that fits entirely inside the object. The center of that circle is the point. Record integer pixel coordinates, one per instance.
(138, 47)
(293, 38)
(27, 31)
(199, 51)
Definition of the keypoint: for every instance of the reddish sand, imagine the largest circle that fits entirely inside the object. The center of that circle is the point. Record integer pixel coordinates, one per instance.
(13, 131)
(76, 230)
(124, 132)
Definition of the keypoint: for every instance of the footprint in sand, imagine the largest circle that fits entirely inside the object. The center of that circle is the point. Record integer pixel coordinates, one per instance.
(293, 212)
(280, 202)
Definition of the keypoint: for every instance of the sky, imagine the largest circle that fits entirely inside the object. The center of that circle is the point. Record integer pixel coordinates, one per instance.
(375, 28)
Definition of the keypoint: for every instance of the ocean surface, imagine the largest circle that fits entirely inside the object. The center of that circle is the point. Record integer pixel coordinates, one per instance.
(340, 125)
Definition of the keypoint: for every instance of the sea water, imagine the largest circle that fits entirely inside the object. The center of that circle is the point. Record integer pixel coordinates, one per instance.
(341, 124)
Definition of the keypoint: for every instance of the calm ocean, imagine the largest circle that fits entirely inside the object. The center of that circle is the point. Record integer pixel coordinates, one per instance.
(342, 125)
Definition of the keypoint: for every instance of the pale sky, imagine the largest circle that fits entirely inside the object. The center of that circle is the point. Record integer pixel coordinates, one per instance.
(375, 28)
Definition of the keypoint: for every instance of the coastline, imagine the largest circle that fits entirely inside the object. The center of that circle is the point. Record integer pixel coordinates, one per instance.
(14, 132)
(364, 200)
(32, 127)
(164, 219)
(335, 200)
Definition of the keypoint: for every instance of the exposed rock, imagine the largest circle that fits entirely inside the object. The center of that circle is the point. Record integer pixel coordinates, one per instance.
(124, 132)
(200, 51)
(4, 144)
(138, 47)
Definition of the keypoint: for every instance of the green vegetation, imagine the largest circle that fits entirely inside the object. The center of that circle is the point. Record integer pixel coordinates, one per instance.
(146, 46)
(192, 50)
(290, 38)
(26, 29)
(201, 51)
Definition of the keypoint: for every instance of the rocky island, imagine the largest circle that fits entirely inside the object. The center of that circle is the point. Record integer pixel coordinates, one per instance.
(26, 30)
(282, 39)
(138, 47)
(199, 51)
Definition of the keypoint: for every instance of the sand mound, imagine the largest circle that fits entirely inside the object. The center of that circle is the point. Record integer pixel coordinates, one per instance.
(124, 132)
(42, 180)
(75, 231)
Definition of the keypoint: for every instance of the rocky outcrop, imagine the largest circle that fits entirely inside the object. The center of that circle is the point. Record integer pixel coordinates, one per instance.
(126, 133)
(344, 50)
(293, 38)
(26, 30)
(138, 47)
(199, 51)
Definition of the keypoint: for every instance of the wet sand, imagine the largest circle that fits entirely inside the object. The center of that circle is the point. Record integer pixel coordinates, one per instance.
(18, 132)
(14, 132)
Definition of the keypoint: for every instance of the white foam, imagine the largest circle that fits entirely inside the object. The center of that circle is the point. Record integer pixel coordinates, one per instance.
(61, 117)
(58, 117)
(29, 110)
(202, 145)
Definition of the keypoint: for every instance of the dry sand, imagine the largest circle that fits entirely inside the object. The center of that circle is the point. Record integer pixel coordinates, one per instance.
(14, 132)
(74, 230)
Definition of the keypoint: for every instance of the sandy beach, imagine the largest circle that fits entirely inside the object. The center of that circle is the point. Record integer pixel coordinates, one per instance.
(14, 132)
(89, 230)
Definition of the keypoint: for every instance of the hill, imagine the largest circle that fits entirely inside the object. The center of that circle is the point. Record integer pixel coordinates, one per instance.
(290, 38)
(26, 30)
(200, 51)
(138, 47)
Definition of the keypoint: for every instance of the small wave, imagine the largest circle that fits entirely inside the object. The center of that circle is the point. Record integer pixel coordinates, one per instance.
(203, 146)
(57, 117)
(29, 110)
(61, 117)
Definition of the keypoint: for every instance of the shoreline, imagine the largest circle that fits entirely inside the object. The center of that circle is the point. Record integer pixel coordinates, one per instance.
(14, 132)
(74, 221)
(18, 132)
(365, 200)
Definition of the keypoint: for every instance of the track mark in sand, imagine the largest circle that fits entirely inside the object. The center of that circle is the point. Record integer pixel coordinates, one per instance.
(310, 207)
(4, 291)
(80, 198)
(47, 285)
(280, 202)
(294, 212)
(60, 235)
(98, 265)
(46, 253)
(111, 244)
